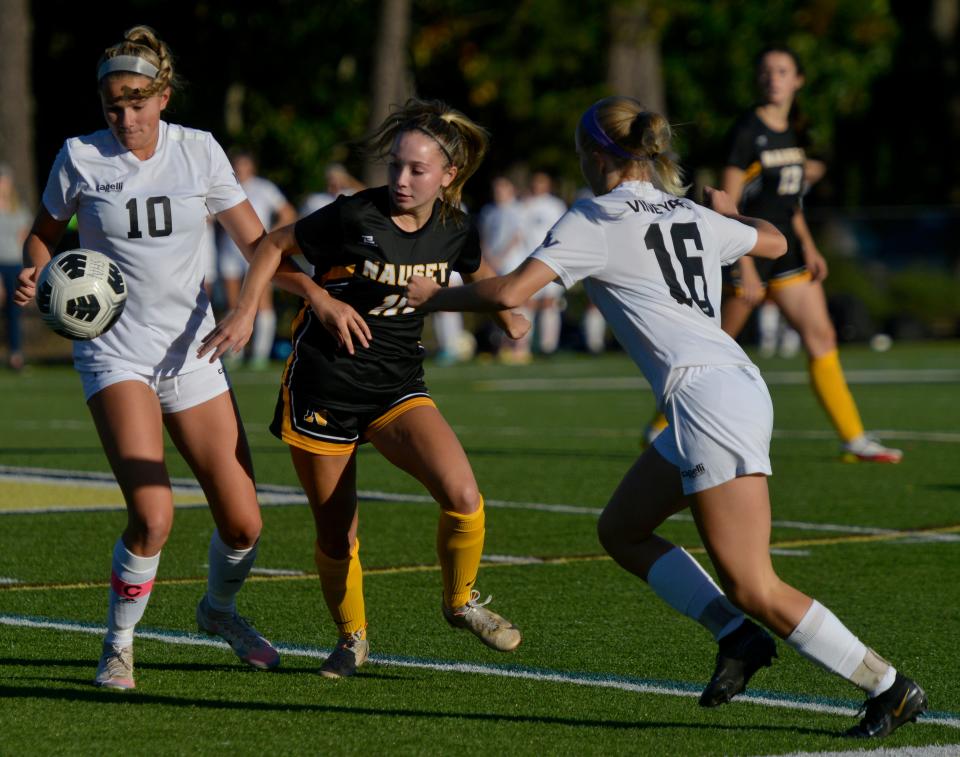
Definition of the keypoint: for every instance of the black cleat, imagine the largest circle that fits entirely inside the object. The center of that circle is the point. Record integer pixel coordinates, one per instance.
(886, 712)
(742, 653)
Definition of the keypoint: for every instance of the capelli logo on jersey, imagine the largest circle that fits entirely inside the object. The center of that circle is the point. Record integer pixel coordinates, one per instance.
(698, 470)
(368, 240)
(118, 187)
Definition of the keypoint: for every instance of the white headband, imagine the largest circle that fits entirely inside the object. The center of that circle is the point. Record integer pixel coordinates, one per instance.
(129, 64)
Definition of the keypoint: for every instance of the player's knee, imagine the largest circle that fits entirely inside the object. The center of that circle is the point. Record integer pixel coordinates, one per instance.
(334, 546)
(615, 534)
(150, 530)
(755, 597)
(820, 339)
(462, 497)
(241, 534)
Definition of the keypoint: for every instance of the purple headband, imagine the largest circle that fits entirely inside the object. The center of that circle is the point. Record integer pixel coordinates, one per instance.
(591, 123)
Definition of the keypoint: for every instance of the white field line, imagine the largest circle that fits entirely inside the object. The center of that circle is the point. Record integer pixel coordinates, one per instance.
(281, 495)
(946, 750)
(773, 378)
(598, 680)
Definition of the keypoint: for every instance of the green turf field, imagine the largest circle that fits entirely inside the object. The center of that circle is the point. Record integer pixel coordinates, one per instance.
(604, 667)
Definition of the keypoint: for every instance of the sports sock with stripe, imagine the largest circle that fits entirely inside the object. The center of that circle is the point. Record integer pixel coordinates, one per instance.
(228, 570)
(822, 638)
(459, 547)
(342, 584)
(679, 581)
(830, 386)
(131, 581)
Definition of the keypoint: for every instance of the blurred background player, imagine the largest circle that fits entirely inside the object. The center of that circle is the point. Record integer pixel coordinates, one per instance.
(504, 243)
(14, 225)
(273, 210)
(339, 181)
(542, 209)
(765, 175)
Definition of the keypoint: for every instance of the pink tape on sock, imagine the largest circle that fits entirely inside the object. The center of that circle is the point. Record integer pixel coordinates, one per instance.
(127, 590)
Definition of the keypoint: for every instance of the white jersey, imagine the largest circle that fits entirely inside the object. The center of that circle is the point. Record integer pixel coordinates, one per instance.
(150, 217)
(651, 262)
(266, 199)
(540, 212)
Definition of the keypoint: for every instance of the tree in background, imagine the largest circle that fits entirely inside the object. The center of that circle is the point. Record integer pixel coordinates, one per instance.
(16, 97)
(390, 79)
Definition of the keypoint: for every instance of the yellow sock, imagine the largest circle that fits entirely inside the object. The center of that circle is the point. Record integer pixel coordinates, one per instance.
(831, 389)
(659, 422)
(459, 546)
(342, 583)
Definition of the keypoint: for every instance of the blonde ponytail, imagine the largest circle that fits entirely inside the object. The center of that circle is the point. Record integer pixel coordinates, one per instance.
(629, 133)
(143, 42)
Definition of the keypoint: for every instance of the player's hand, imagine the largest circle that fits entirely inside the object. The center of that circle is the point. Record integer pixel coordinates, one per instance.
(342, 321)
(26, 286)
(515, 324)
(720, 201)
(420, 289)
(816, 263)
(751, 287)
(230, 335)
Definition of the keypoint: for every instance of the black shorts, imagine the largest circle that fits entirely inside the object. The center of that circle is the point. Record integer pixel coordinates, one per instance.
(784, 271)
(304, 420)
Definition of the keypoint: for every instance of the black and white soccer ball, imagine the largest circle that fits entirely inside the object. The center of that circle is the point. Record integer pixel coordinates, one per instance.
(81, 294)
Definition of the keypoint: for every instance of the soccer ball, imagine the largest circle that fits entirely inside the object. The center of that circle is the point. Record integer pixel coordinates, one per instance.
(81, 294)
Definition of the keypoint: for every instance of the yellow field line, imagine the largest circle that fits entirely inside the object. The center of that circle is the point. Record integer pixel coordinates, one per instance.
(788, 544)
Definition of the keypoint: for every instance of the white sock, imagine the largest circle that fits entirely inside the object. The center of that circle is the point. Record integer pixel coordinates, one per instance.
(549, 324)
(679, 581)
(447, 327)
(228, 570)
(822, 638)
(594, 330)
(768, 324)
(264, 332)
(131, 581)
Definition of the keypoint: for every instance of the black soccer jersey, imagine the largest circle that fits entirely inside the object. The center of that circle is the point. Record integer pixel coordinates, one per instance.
(772, 162)
(364, 259)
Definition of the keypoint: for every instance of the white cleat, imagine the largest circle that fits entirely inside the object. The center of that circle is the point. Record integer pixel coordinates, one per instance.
(349, 654)
(867, 449)
(115, 670)
(247, 643)
(493, 630)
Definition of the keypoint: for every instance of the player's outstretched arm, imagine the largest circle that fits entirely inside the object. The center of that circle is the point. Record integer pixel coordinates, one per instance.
(486, 295)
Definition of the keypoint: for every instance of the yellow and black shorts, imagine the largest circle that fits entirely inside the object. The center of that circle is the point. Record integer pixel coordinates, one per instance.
(785, 271)
(307, 422)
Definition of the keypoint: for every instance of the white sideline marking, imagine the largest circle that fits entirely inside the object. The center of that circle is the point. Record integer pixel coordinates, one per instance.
(947, 750)
(789, 552)
(949, 719)
(772, 378)
(277, 572)
(7, 581)
(282, 495)
(511, 559)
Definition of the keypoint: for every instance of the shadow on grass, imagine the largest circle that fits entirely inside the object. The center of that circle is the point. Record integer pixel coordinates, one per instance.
(91, 694)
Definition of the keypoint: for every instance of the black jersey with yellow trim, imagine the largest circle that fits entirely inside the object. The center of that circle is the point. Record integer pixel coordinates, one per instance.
(772, 162)
(364, 259)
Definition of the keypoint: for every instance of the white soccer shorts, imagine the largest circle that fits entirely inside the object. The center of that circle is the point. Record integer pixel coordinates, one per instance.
(721, 418)
(176, 393)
